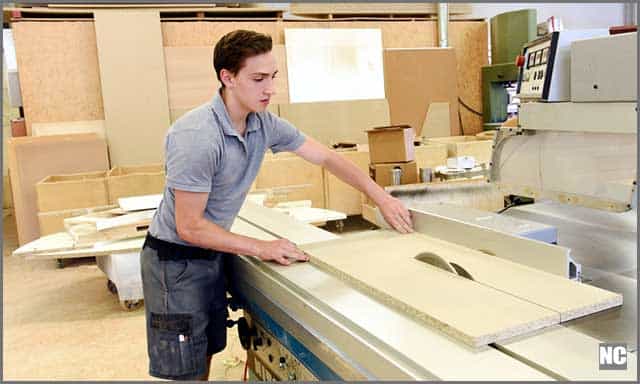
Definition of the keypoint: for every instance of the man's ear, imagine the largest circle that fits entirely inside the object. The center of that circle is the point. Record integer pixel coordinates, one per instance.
(228, 79)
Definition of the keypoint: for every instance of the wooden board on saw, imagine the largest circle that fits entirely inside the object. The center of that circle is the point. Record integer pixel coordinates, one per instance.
(110, 228)
(53, 222)
(293, 177)
(384, 265)
(134, 84)
(339, 196)
(192, 81)
(282, 225)
(59, 75)
(415, 78)
(140, 203)
(569, 298)
(31, 160)
(337, 121)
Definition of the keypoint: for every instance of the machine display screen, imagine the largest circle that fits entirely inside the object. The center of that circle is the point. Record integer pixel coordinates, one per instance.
(545, 55)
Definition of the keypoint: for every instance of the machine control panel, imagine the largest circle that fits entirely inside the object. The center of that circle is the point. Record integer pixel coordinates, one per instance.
(536, 69)
(269, 360)
(545, 65)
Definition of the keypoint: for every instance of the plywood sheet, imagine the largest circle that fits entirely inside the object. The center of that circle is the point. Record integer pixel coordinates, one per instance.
(337, 121)
(331, 64)
(292, 177)
(415, 78)
(31, 159)
(67, 127)
(339, 195)
(134, 88)
(384, 266)
(59, 76)
(191, 78)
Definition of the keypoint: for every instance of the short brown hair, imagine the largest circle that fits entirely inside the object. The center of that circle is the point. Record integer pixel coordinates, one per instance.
(235, 47)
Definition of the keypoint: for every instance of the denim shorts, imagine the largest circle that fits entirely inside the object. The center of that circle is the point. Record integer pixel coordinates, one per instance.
(185, 307)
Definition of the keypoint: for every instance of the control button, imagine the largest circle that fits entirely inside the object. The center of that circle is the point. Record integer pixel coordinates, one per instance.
(282, 362)
(520, 61)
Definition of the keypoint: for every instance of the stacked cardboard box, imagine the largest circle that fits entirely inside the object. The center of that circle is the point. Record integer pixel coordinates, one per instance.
(391, 151)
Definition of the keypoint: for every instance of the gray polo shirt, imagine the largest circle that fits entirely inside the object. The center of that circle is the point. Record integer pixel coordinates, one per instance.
(204, 153)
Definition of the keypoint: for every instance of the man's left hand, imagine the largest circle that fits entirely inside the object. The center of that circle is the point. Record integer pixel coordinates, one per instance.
(396, 214)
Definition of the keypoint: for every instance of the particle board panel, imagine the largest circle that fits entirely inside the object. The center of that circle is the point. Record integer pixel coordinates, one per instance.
(67, 127)
(570, 355)
(337, 121)
(339, 195)
(59, 74)
(198, 34)
(393, 276)
(191, 78)
(415, 78)
(293, 177)
(469, 38)
(531, 284)
(134, 88)
(31, 160)
(282, 225)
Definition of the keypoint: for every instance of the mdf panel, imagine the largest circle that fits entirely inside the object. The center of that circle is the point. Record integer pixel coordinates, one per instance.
(134, 85)
(201, 33)
(59, 74)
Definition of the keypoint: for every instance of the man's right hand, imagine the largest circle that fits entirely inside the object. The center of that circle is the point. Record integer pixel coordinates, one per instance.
(282, 251)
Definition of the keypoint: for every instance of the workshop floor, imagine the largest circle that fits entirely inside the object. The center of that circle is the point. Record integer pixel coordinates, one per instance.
(64, 324)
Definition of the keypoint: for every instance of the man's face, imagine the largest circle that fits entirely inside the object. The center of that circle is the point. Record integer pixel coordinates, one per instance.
(254, 84)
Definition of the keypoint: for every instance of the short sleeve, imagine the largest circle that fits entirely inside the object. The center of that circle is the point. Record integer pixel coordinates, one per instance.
(190, 162)
(284, 136)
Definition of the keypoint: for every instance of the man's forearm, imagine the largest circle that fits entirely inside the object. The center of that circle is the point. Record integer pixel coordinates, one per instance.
(205, 234)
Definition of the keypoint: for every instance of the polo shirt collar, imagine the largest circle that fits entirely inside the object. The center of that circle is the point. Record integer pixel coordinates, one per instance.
(220, 109)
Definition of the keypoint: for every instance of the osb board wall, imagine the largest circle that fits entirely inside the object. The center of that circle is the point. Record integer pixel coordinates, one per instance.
(44, 47)
(59, 74)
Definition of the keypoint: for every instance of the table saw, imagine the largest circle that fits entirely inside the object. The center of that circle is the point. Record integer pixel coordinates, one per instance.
(576, 158)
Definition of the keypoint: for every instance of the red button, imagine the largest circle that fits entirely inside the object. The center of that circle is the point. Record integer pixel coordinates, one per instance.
(519, 61)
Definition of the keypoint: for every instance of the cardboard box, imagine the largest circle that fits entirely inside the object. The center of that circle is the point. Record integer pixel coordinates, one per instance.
(479, 148)
(80, 190)
(381, 173)
(391, 144)
(135, 181)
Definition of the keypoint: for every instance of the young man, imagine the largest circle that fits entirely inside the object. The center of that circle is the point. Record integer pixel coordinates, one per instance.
(213, 154)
